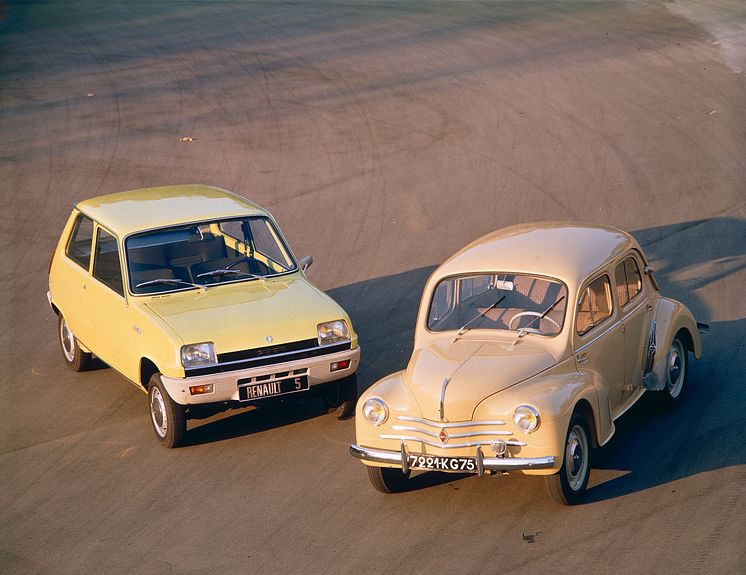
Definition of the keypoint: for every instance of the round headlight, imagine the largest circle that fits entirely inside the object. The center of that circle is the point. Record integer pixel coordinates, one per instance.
(375, 411)
(526, 418)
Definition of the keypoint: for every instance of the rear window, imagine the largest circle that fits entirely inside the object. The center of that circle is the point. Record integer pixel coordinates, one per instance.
(81, 240)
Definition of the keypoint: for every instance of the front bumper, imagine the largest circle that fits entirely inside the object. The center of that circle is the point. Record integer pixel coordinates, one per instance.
(401, 459)
(225, 384)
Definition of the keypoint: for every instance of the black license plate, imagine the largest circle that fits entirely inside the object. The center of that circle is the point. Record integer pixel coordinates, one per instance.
(441, 463)
(265, 389)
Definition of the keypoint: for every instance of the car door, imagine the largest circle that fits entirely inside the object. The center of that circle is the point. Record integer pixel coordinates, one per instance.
(636, 310)
(108, 315)
(599, 345)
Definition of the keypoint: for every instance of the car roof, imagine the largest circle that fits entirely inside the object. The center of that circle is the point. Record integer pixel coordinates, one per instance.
(567, 251)
(137, 210)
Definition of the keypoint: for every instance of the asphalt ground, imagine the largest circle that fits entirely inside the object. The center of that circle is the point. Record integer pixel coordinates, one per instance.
(383, 136)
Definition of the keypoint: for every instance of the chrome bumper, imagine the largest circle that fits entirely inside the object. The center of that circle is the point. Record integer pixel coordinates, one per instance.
(401, 459)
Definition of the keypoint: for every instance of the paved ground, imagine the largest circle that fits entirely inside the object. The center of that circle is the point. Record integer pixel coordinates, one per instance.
(383, 136)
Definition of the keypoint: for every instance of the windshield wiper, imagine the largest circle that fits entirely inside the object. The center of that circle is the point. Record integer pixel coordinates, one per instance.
(227, 272)
(462, 330)
(168, 281)
(523, 331)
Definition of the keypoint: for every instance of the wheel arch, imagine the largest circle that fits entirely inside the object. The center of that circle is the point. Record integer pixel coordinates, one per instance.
(147, 369)
(584, 407)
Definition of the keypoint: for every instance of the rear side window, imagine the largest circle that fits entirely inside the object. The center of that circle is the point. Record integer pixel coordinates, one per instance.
(628, 280)
(81, 240)
(106, 266)
(594, 305)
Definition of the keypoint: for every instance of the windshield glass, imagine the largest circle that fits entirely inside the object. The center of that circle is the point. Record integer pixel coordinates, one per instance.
(204, 254)
(503, 301)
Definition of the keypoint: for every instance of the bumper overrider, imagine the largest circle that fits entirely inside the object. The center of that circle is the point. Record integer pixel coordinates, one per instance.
(401, 459)
(226, 383)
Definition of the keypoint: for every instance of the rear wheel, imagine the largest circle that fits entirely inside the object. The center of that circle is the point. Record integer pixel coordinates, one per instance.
(341, 396)
(387, 479)
(676, 374)
(75, 358)
(167, 416)
(568, 485)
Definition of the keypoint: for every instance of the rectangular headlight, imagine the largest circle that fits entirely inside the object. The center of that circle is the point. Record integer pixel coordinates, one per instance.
(332, 332)
(198, 354)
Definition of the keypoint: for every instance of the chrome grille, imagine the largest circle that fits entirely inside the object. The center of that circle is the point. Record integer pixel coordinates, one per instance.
(421, 430)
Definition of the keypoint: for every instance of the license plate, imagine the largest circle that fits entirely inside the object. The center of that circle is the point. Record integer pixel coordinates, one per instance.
(441, 463)
(264, 389)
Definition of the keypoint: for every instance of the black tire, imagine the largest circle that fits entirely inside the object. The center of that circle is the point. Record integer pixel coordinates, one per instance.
(388, 479)
(75, 358)
(568, 485)
(677, 372)
(167, 417)
(340, 397)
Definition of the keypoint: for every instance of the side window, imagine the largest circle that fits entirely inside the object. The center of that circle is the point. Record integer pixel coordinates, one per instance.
(594, 305)
(106, 266)
(628, 280)
(81, 239)
(442, 301)
(473, 286)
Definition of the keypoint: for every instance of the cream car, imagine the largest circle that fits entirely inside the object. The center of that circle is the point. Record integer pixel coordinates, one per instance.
(192, 293)
(529, 343)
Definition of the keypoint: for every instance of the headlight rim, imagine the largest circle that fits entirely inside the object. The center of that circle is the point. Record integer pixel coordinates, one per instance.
(344, 337)
(379, 403)
(533, 412)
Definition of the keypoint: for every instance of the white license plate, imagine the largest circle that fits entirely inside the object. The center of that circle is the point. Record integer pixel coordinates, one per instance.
(441, 463)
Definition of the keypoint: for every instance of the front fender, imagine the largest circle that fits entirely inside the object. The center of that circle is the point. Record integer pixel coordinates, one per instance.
(671, 317)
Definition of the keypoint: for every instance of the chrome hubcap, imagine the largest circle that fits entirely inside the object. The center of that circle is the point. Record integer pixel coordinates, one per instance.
(68, 341)
(576, 460)
(158, 412)
(676, 369)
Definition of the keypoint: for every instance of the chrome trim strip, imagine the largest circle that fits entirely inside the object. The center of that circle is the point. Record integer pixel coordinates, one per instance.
(450, 445)
(449, 425)
(441, 410)
(489, 463)
(455, 435)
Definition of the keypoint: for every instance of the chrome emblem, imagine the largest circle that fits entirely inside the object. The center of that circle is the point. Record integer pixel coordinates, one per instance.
(268, 339)
(443, 436)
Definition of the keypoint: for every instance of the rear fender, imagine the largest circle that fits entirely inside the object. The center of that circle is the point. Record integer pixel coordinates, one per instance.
(671, 317)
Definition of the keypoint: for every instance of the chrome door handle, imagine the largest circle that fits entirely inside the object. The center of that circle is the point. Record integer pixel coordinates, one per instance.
(582, 357)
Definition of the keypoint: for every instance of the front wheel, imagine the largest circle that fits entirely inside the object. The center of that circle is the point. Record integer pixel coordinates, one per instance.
(167, 416)
(75, 358)
(387, 479)
(340, 397)
(568, 485)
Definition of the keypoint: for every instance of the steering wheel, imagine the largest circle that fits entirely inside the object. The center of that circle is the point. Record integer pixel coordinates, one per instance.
(533, 314)
(264, 267)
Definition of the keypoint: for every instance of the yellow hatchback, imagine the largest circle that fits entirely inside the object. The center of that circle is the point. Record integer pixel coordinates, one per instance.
(192, 293)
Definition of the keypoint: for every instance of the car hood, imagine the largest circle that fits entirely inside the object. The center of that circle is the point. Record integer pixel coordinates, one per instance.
(475, 370)
(243, 315)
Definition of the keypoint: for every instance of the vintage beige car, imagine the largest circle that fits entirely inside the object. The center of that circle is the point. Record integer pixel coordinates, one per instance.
(529, 343)
(192, 293)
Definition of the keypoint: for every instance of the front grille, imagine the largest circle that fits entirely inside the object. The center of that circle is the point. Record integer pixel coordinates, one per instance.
(428, 432)
(268, 358)
(268, 350)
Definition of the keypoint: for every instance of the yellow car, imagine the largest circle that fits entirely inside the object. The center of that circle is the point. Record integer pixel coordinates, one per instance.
(192, 293)
(529, 343)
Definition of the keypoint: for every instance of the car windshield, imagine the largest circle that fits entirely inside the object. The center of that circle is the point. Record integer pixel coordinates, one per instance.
(505, 301)
(205, 254)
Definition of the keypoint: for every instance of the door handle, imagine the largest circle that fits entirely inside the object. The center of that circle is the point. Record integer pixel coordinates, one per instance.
(582, 357)
(649, 306)
(83, 288)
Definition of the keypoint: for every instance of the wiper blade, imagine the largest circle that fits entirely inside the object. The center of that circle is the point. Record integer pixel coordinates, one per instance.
(168, 281)
(462, 330)
(524, 330)
(227, 272)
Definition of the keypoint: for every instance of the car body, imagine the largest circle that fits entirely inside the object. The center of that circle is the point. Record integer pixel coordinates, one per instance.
(529, 343)
(192, 293)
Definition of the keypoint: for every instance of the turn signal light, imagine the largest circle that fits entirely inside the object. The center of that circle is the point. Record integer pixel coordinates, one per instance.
(337, 365)
(200, 389)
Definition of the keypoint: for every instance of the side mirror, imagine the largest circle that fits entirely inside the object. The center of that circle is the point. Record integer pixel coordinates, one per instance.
(305, 262)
